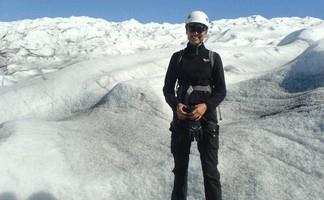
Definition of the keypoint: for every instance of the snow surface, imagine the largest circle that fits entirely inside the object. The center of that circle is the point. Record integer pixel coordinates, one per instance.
(82, 114)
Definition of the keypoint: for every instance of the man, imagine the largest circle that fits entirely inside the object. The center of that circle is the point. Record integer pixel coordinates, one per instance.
(200, 88)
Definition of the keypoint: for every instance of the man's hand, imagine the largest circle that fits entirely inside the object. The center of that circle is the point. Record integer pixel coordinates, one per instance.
(182, 114)
(199, 111)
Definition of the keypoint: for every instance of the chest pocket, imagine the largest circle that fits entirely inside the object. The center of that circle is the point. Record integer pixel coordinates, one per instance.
(195, 71)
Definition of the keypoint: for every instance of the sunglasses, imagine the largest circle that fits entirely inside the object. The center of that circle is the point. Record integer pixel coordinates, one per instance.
(196, 27)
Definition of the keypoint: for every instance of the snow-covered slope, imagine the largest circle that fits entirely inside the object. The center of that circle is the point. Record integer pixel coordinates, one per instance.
(82, 114)
(274, 136)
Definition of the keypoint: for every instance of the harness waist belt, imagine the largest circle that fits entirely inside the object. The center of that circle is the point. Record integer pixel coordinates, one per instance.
(203, 88)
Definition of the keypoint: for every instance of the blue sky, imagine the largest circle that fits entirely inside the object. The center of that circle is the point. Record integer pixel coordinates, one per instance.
(172, 11)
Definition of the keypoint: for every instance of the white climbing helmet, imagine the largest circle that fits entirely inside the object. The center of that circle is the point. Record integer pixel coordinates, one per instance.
(198, 17)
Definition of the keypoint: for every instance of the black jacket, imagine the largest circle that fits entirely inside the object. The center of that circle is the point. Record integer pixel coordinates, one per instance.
(195, 69)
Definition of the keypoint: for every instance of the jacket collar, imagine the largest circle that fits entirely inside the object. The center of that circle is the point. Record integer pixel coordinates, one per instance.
(194, 49)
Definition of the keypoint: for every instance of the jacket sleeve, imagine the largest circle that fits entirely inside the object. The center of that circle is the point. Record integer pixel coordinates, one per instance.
(169, 83)
(218, 84)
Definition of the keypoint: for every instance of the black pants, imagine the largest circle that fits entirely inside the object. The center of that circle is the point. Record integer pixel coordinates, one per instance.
(208, 149)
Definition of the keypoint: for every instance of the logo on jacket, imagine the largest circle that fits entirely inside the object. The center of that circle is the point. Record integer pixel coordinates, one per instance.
(206, 60)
